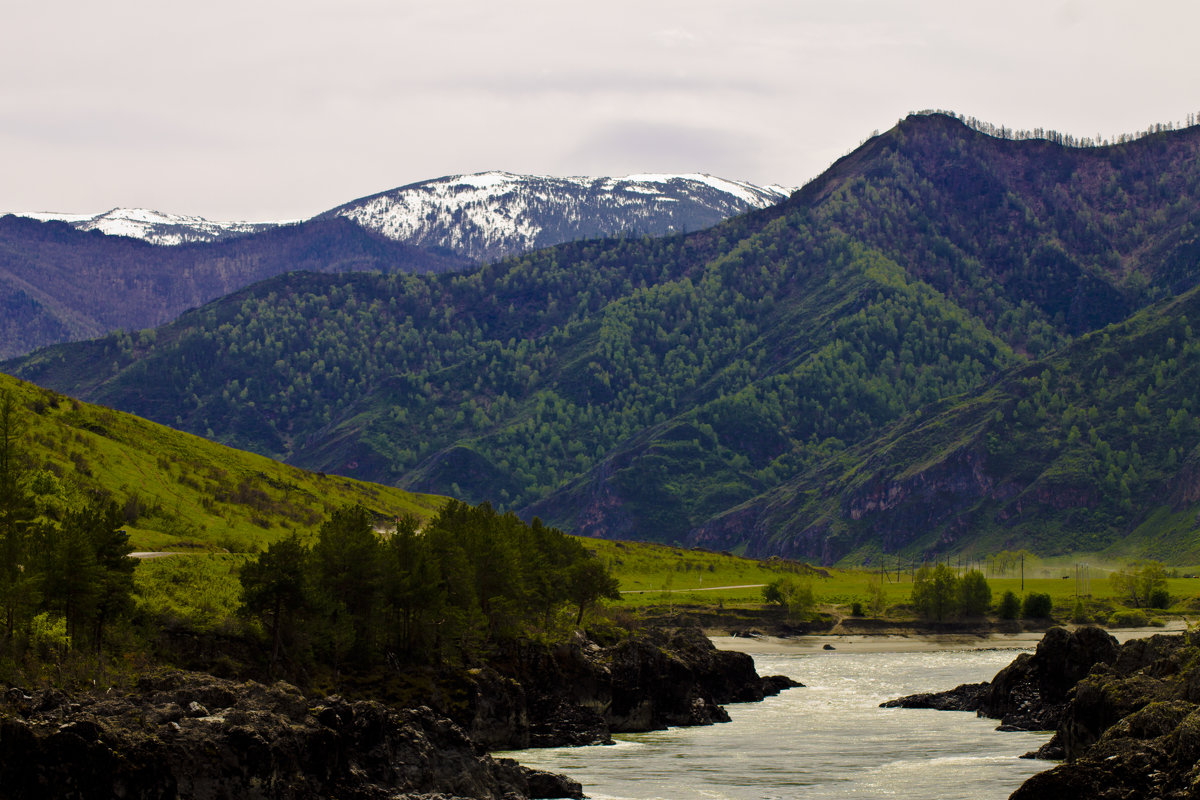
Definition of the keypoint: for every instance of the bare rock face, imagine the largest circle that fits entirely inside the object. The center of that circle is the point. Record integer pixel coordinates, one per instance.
(185, 736)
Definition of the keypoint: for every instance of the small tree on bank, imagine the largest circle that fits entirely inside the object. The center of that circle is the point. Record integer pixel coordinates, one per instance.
(1139, 583)
(588, 580)
(935, 592)
(795, 595)
(1010, 606)
(974, 594)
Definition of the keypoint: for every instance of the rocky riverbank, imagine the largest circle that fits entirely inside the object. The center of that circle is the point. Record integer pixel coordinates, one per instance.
(192, 736)
(1031, 693)
(1131, 728)
(1126, 717)
(580, 692)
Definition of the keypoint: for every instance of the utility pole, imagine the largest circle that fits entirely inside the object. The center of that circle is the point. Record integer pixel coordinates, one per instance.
(1022, 572)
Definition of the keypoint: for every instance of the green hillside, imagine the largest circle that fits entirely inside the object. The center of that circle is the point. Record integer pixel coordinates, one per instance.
(640, 388)
(177, 491)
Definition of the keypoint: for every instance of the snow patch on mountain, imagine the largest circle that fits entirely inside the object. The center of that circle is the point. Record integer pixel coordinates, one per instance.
(490, 215)
(154, 226)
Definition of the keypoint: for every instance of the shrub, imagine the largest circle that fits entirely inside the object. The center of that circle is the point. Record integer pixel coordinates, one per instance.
(1079, 614)
(1037, 606)
(856, 609)
(48, 636)
(1010, 606)
(1159, 598)
(1128, 618)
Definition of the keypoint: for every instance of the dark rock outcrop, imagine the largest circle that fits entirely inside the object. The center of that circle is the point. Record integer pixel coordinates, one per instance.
(580, 692)
(1031, 693)
(190, 735)
(1131, 728)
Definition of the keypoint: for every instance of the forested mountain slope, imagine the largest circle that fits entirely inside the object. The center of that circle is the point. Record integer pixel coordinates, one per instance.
(641, 387)
(1096, 446)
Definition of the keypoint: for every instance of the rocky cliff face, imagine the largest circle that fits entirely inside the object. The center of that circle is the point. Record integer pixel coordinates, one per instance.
(190, 735)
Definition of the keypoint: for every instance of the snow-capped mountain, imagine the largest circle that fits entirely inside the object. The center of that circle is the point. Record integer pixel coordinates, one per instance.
(154, 226)
(486, 215)
(489, 215)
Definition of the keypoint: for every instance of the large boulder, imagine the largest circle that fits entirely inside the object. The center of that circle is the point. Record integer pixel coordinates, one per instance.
(1031, 693)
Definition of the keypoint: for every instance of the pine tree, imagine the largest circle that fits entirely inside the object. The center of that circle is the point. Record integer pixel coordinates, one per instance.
(17, 581)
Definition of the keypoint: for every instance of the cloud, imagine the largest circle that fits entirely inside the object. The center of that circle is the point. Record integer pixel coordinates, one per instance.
(645, 146)
(677, 37)
(589, 82)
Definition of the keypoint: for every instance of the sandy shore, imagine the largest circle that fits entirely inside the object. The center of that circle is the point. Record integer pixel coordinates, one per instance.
(914, 643)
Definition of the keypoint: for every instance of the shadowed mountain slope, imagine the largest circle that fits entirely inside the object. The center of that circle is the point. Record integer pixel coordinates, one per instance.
(57, 283)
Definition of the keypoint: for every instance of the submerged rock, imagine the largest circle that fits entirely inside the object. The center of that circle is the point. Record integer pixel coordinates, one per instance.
(966, 697)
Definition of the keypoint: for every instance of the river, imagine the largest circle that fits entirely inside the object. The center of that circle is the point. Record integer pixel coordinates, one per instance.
(827, 740)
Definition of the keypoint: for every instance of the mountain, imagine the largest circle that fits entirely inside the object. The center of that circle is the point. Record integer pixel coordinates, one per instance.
(56, 287)
(490, 215)
(176, 490)
(155, 227)
(59, 284)
(652, 387)
(483, 216)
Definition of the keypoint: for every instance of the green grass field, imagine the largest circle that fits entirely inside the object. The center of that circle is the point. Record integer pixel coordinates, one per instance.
(658, 575)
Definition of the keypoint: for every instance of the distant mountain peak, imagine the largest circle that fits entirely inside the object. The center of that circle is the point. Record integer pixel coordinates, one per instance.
(489, 215)
(154, 226)
(484, 215)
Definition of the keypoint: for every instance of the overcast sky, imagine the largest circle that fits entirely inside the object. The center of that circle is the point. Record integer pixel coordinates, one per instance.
(241, 109)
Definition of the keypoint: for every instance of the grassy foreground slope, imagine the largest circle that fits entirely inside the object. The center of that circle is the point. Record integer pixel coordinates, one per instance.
(178, 490)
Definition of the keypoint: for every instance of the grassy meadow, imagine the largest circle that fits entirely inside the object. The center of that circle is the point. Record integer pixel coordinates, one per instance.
(656, 575)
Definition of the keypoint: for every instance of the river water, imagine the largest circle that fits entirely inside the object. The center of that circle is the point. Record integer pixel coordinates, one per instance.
(827, 740)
